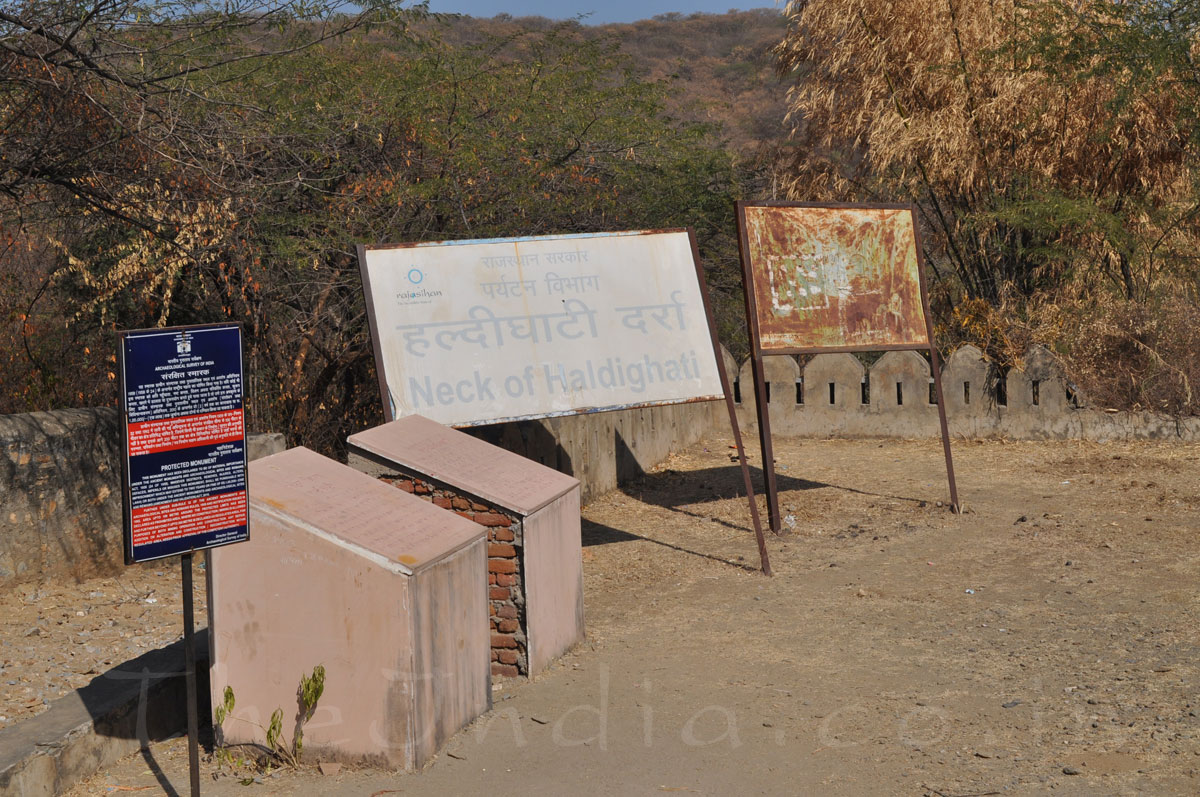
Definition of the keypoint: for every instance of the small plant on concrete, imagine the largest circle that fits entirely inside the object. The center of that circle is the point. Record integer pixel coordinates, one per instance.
(226, 708)
(307, 694)
(280, 751)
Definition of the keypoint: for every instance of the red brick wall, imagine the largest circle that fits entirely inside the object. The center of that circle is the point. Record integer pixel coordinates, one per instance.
(506, 593)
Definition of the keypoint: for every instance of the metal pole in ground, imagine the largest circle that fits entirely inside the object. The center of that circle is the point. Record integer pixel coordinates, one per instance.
(189, 654)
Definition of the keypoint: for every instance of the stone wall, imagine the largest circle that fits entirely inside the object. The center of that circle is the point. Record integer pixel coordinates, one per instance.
(603, 449)
(505, 540)
(60, 509)
(60, 502)
(834, 395)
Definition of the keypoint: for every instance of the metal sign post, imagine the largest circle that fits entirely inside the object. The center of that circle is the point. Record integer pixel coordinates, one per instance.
(824, 277)
(183, 459)
(189, 658)
(937, 374)
(733, 421)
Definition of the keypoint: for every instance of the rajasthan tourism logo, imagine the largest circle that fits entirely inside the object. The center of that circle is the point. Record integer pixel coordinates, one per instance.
(415, 294)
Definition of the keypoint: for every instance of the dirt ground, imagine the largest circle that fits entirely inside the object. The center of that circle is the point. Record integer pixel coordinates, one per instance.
(1044, 640)
(58, 636)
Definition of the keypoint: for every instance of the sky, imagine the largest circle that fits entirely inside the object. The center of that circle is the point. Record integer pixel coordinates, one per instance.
(601, 11)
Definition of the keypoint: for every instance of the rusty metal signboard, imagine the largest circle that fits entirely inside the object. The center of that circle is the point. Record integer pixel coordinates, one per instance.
(478, 332)
(834, 278)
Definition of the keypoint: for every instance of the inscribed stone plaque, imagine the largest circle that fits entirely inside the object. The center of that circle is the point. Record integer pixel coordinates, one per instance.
(463, 462)
(354, 508)
(385, 591)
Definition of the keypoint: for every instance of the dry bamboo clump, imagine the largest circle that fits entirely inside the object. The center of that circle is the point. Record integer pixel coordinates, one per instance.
(963, 106)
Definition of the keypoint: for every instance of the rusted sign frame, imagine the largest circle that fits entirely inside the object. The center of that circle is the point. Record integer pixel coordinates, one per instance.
(757, 352)
(377, 351)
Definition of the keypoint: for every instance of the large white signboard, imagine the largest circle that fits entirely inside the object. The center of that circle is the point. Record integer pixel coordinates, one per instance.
(477, 332)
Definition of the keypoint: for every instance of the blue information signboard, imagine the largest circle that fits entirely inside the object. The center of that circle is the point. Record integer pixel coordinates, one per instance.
(183, 441)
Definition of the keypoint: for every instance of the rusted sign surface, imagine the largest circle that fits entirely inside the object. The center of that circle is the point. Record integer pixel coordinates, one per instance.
(834, 277)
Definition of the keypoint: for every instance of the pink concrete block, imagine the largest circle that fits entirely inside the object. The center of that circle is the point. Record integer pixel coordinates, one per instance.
(385, 591)
(464, 462)
(544, 501)
(553, 580)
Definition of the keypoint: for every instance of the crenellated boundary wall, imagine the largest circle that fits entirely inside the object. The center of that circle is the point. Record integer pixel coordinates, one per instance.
(835, 395)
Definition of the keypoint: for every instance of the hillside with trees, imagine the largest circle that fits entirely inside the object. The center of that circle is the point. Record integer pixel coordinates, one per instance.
(174, 169)
(718, 68)
(172, 163)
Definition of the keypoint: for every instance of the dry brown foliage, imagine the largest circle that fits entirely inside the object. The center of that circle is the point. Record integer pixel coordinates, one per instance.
(1056, 185)
(946, 103)
(1127, 355)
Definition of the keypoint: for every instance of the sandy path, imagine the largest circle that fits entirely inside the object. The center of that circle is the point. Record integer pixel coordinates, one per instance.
(899, 649)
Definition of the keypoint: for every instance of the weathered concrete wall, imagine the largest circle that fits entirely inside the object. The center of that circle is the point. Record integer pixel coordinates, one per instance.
(60, 509)
(838, 397)
(604, 448)
(120, 712)
(60, 503)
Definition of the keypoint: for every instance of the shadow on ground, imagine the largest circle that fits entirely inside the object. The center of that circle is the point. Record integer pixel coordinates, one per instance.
(598, 534)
